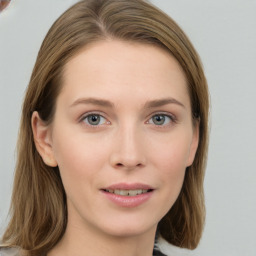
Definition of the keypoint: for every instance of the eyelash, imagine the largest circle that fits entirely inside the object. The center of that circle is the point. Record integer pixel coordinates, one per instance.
(172, 119)
(88, 115)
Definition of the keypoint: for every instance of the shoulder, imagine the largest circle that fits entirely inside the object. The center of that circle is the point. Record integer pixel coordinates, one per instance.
(9, 252)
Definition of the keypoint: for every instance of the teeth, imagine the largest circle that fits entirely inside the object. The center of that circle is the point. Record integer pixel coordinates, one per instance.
(124, 192)
(135, 192)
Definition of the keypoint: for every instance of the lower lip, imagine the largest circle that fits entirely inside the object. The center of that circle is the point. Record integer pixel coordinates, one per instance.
(128, 201)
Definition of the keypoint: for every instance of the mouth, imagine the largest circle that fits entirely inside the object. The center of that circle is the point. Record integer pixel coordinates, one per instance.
(127, 192)
(128, 195)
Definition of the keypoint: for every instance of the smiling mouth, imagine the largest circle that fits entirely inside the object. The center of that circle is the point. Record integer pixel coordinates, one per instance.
(127, 192)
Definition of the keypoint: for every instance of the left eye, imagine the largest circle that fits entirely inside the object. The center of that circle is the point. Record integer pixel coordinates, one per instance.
(94, 119)
(160, 119)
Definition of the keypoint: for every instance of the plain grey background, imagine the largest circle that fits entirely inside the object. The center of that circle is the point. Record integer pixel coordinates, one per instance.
(224, 34)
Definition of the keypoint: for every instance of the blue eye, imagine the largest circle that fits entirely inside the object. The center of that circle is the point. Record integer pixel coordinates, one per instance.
(160, 119)
(94, 119)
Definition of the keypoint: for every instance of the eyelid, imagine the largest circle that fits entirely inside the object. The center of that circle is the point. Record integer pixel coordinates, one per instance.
(87, 114)
(172, 117)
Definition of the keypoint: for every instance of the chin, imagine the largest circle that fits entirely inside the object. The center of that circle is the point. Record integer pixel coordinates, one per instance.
(129, 227)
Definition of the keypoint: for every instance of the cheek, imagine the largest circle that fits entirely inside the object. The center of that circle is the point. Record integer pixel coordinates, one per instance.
(78, 157)
(170, 160)
(172, 168)
(171, 153)
(172, 171)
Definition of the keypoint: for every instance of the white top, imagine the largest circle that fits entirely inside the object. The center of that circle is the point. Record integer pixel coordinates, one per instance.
(171, 250)
(9, 252)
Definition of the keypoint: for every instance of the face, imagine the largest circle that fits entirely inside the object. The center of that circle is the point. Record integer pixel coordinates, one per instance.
(122, 136)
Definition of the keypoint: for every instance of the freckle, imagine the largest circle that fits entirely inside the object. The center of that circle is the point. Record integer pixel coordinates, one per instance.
(4, 4)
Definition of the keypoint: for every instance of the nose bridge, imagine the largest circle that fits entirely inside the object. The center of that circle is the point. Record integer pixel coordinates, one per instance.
(128, 151)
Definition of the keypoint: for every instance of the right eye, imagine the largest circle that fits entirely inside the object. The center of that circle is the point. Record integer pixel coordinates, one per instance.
(94, 120)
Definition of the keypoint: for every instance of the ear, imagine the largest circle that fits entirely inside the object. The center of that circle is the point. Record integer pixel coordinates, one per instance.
(42, 139)
(194, 143)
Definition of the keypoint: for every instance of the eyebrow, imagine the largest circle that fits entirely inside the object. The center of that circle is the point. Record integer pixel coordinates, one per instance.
(162, 102)
(106, 103)
(94, 101)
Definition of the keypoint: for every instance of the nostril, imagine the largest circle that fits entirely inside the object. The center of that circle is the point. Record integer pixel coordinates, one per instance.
(128, 166)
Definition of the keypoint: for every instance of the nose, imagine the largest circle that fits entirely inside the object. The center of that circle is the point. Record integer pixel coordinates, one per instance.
(128, 150)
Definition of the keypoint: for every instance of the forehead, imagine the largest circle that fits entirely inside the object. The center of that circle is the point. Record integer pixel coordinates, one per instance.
(114, 68)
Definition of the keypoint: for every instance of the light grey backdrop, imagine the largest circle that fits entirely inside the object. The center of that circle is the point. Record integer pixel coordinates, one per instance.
(224, 33)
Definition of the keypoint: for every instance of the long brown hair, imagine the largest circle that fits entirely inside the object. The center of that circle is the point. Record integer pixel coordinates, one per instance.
(38, 207)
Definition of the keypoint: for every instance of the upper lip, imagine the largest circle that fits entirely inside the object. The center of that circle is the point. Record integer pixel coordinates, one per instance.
(128, 186)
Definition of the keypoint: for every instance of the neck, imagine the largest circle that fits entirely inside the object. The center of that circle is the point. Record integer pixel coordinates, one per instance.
(78, 241)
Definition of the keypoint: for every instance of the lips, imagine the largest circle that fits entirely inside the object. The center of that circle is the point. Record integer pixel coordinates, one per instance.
(128, 195)
(126, 192)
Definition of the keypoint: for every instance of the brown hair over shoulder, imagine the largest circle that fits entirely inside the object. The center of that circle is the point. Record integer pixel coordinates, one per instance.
(38, 207)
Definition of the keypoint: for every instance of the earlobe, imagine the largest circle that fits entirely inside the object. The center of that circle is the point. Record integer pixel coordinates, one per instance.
(42, 139)
(194, 144)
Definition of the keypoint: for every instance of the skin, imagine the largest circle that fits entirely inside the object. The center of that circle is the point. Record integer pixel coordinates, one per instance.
(142, 84)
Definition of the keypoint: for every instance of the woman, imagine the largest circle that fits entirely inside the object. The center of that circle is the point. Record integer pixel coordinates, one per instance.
(113, 138)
